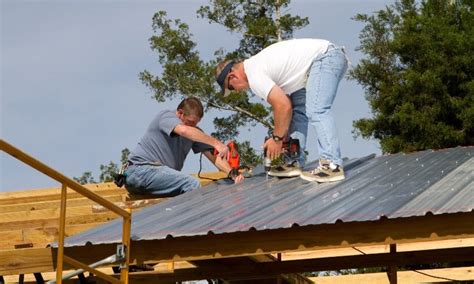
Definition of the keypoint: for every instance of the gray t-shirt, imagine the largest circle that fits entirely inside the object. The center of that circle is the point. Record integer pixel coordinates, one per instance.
(160, 144)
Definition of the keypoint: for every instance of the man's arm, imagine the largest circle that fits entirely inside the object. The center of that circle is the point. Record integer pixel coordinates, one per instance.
(282, 113)
(194, 134)
(222, 165)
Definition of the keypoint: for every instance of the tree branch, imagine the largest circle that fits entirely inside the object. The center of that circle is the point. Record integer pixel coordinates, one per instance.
(241, 110)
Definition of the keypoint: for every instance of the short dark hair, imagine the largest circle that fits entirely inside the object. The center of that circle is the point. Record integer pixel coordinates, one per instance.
(191, 106)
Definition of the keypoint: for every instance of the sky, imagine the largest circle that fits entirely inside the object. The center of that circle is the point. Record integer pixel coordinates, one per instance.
(70, 92)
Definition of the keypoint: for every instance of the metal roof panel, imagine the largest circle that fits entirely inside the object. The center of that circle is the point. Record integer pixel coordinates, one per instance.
(393, 186)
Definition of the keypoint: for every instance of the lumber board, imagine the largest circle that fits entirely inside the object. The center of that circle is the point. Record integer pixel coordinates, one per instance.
(40, 237)
(44, 214)
(26, 261)
(97, 187)
(54, 222)
(209, 177)
(30, 278)
(269, 269)
(72, 202)
(135, 204)
(405, 277)
(51, 197)
(415, 246)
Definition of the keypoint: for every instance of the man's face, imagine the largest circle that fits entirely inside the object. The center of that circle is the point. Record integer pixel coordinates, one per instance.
(235, 80)
(188, 120)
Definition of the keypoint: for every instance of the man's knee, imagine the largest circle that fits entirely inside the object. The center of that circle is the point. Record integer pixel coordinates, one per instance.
(191, 184)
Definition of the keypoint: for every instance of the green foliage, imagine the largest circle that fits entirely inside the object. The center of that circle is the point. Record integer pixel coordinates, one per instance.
(85, 178)
(107, 172)
(418, 75)
(258, 23)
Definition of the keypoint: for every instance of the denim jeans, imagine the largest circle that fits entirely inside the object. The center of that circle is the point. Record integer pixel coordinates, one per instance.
(323, 80)
(299, 123)
(161, 181)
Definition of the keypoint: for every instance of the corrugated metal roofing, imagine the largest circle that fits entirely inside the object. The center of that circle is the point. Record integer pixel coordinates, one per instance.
(400, 185)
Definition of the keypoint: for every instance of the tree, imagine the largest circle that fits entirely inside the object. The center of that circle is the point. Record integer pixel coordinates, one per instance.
(418, 75)
(259, 23)
(107, 172)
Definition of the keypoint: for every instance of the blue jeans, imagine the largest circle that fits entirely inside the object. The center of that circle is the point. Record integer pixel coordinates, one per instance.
(161, 181)
(299, 123)
(323, 80)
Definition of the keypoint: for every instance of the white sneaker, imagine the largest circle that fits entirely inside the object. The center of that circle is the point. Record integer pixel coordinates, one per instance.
(288, 170)
(325, 172)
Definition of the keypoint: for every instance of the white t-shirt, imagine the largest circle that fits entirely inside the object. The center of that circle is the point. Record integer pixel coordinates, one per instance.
(284, 64)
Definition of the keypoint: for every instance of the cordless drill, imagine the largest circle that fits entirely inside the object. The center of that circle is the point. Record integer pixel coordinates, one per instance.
(233, 158)
(290, 147)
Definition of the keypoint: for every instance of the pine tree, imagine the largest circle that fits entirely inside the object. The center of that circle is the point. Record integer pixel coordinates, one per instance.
(418, 75)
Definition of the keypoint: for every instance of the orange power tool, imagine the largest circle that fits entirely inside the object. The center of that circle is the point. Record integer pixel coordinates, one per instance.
(233, 158)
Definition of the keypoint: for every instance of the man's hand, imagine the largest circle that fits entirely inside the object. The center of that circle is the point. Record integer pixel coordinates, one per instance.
(238, 178)
(222, 150)
(235, 175)
(274, 149)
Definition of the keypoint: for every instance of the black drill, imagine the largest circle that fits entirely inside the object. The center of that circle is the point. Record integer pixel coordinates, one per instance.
(290, 147)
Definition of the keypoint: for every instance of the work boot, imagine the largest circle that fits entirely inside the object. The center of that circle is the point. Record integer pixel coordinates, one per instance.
(325, 172)
(289, 170)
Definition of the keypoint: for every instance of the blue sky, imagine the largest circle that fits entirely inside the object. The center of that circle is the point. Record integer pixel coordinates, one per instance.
(70, 93)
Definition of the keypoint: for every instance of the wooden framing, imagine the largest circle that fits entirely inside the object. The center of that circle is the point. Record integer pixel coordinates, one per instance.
(419, 276)
(270, 269)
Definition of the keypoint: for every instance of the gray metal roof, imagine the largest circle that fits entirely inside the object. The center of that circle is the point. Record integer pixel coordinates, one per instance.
(400, 185)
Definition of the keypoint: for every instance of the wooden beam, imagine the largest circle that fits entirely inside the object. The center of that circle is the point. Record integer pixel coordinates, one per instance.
(271, 269)
(135, 205)
(346, 251)
(30, 278)
(23, 261)
(38, 205)
(49, 213)
(52, 197)
(419, 276)
(392, 268)
(54, 222)
(39, 237)
(61, 178)
(52, 191)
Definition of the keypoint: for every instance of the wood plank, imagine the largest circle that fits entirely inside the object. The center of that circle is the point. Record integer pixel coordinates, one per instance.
(39, 237)
(170, 266)
(51, 197)
(61, 178)
(32, 193)
(468, 242)
(30, 278)
(54, 222)
(209, 177)
(271, 269)
(44, 214)
(72, 202)
(406, 277)
(136, 204)
(23, 261)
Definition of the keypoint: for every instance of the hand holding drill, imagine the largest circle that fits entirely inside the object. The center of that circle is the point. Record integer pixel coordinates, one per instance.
(288, 146)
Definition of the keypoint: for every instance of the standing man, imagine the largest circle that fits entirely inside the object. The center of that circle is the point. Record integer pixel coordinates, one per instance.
(309, 71)
(154, 166)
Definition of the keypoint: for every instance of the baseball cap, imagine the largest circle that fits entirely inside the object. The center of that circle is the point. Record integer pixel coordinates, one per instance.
(222, 75)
